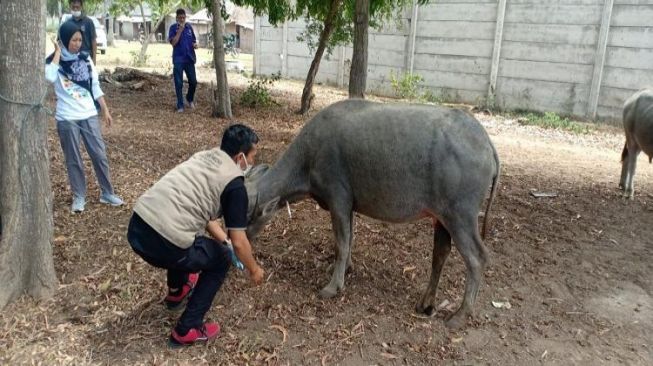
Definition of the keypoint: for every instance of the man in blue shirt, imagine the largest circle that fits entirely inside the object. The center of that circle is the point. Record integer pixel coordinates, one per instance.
(183, 41)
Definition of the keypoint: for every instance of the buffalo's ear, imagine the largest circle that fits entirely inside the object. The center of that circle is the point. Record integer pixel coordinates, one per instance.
(270, 207)
(257, 172)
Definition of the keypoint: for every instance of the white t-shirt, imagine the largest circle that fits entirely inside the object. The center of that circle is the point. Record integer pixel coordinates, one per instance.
(73, 101)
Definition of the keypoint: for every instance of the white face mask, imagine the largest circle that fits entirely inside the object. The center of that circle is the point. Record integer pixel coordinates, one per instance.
(247, 166)
(76, 14)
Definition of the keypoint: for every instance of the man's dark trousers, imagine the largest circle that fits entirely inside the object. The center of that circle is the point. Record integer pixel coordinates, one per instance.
(178, 73)
(206, 255)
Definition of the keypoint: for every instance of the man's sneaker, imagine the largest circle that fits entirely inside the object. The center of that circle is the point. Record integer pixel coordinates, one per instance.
(78, 204)
(191, 105)
(111, 199)
(176, 302)
(202, 334)
(180, 110)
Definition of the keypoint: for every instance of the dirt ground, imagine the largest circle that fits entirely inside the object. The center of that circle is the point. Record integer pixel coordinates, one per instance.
(575, 268)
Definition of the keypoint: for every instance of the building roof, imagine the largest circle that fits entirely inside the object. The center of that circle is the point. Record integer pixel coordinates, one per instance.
(241, 16)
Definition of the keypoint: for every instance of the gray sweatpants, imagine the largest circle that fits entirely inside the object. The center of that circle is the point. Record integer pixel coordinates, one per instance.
(89, 129)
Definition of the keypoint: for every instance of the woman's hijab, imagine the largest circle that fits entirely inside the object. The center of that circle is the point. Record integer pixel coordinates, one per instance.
(74, 66)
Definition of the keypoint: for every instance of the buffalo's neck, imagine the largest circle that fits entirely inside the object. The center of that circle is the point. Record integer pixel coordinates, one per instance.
(287, 179)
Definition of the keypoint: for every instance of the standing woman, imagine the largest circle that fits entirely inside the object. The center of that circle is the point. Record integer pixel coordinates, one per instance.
(79, 98)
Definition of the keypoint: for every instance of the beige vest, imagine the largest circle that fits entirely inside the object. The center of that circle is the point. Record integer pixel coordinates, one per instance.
(181, 203)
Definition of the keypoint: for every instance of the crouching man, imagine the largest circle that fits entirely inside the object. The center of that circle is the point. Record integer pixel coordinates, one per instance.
(185, 202)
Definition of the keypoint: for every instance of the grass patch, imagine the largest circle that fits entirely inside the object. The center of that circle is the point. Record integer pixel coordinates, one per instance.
(552, 120)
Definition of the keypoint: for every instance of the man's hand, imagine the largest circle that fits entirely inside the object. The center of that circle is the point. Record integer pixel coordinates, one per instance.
(181, 27)
(195, 46)
(257, 275)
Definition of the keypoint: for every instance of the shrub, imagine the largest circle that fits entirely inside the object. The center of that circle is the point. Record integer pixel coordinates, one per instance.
(257, 93)
(136, 59)
(406, 86)
(553, 121)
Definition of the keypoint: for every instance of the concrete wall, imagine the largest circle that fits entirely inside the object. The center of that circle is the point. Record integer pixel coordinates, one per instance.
(246, 40)
(577, 57)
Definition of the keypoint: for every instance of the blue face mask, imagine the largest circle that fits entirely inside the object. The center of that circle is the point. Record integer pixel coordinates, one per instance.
(67, 55)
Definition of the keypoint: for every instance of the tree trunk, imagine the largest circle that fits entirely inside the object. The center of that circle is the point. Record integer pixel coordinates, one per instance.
(222, 99)
(307, 94)
(26, 264)
(110, 41)
(146, 41)
(358, 71)
(110, 35)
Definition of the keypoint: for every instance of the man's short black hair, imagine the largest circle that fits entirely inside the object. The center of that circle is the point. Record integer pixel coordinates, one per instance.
(181, 12)
(237, 139)
(70, 2)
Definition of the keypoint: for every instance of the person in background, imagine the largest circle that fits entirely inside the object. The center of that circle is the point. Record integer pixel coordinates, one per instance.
(79, 98)
(86, 26)
(183, 41)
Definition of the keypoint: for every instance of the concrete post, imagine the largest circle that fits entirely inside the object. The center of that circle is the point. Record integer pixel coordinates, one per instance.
(412, 36)
(284, 50)
(341, 66)
(496, 53)
(599, 60)
(257, 46)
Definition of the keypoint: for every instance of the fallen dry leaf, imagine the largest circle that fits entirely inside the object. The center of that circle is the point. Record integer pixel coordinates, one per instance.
(282, 330)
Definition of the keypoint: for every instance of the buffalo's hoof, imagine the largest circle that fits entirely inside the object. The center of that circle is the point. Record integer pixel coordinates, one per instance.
(328, 292)
(456, 320)
(429, 310)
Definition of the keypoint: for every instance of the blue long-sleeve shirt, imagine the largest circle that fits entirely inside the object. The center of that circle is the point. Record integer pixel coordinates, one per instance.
(183, 51)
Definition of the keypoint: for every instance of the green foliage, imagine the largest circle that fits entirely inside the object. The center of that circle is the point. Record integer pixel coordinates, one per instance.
(431, 97)
(90, 6)
(52, 27)
(52, 7)
(315, 13)
(409, 86)
(136, 59)
(406, 85)
(553, 121)
(257, 93)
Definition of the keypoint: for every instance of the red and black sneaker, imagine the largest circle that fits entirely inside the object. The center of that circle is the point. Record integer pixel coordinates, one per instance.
(204, 333)
(176, 302)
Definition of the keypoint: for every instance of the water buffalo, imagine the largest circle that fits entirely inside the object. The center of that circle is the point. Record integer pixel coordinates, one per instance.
(395, 163)
(638, 125)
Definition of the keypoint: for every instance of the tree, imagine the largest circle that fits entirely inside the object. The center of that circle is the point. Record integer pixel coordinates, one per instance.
(222, 98)
(329, 25)
(26, 264)
(358, 71)
(331, 22)
(160, 8)
(109, 17)
(54, 7)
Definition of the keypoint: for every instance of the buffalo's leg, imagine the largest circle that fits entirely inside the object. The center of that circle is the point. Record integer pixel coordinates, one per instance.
(341, 219)
(441, 250)
(464, 232)
(624, 167)
(351, 242)
(631, 161)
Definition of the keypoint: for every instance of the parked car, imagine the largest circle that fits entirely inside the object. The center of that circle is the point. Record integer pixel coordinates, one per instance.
(100, 33)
